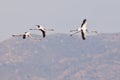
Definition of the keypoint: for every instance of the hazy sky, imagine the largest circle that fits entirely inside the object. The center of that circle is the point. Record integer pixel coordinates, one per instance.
(17, 16)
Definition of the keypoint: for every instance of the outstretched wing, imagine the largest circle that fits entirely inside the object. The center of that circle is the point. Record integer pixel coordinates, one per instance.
(24, 36)
(43, 32)
(83, 35)
(84, 21)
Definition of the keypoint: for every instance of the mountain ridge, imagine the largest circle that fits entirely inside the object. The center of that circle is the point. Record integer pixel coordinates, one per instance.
(61, 57)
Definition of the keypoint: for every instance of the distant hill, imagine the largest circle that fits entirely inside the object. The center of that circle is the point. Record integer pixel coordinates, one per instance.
(61, 57)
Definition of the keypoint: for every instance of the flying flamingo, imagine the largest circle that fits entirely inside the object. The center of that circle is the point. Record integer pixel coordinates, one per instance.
(42, 29)
(24, 36)
(81, 29)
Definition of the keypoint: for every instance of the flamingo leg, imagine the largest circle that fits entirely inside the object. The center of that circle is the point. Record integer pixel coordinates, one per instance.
(74, 33)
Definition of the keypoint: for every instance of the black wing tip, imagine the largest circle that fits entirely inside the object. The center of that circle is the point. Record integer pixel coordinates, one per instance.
(83, 38)
(83, 35)
(43, 36)
(84, 20)
(43, 32)
(24, 36)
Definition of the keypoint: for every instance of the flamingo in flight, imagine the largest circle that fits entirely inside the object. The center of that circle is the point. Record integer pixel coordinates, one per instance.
(42, 29)
(82, 29)
(24, 36)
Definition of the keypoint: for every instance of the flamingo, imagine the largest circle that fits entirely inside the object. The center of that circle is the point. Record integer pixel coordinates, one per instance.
(42, 29)
(82, 29)
(24, 36)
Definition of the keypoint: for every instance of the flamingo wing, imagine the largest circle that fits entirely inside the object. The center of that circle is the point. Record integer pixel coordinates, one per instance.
(83, 35)
(24, 36)
(43, 32)
(84, 21)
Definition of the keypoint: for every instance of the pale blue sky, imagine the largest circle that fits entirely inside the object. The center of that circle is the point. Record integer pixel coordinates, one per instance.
(17, 16)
